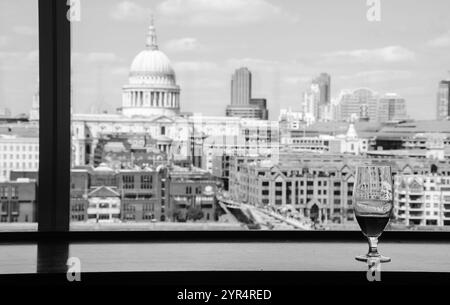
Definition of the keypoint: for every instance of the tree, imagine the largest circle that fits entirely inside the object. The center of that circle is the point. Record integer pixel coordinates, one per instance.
(194, 213)
(177, 215)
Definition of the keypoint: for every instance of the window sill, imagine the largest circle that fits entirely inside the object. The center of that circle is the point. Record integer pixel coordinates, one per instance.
(226, 256)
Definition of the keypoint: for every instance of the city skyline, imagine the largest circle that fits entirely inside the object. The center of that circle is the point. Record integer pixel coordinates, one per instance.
(406, 57)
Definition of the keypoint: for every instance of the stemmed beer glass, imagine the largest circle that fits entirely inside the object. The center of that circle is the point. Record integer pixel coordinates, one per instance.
(373, 203)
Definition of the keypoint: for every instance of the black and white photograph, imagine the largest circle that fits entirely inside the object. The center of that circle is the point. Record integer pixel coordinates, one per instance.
(224, 151)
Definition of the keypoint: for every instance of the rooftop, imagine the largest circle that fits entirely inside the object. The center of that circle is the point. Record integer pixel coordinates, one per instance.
(20, 130)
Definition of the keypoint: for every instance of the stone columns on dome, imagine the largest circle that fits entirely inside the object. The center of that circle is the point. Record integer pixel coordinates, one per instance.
(152, 98)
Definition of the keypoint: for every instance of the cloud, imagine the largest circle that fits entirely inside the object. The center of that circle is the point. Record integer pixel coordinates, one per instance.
(120, 71)
(3, 40)
(25, 30)
(254, 63)
(19, 60)
(220, 12)
(388, 54)
(440, 41)
(187, 44)
(33, 56)
(377, 76)
(296, 80)
(129, 11)
(25, 57)
(95, 58)
(197, 84)
(195, 66)
(101, 57)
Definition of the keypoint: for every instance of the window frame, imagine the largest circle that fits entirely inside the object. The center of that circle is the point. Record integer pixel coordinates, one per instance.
(53, 207)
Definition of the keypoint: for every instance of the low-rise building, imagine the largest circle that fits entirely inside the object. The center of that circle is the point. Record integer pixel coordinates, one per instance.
(422, 200)
(18, 201)
(102, 194)
(346, 143)
(19, 149)
(193, 194)
(319, 186)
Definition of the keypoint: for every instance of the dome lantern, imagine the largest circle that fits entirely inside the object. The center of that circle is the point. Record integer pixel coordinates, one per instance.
(152, 42)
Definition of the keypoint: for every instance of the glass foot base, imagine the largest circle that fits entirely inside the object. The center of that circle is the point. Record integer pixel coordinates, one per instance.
(366, 258)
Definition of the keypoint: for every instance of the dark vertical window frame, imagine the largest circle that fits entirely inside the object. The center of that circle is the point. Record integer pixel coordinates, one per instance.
(54, 124)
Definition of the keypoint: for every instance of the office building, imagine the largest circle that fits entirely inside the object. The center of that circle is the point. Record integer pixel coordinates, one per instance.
(242, 104)
(360, 104)
(261, 103)
(443, 100)
(391, 107)
(256, 109)
(311, 103)
(241, 87)
(323, 81)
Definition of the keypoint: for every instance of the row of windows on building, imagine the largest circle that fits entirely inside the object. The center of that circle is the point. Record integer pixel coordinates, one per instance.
(17, 147)
(128, 210)
(304, 191)
(145, 182)
(6, 191)
(301, 183)
(128, 181)
(81, 207)
(12, 207)
(4, 218)
(20, 165)
(19, 157)
(198, 190)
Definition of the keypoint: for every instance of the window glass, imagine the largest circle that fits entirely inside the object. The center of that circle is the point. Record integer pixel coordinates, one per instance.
(19, 115)
(254, 114)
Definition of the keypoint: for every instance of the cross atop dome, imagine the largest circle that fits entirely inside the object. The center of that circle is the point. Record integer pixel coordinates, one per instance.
(152, 42)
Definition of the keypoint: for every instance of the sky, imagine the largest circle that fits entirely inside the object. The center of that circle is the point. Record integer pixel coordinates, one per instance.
(284, 43)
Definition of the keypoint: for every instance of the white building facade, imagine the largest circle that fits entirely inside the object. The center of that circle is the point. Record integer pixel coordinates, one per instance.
(422, 200)
(18, 153)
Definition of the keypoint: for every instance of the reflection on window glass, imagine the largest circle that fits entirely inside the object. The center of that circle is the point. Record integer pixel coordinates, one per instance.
(19, 115)
(191, 115)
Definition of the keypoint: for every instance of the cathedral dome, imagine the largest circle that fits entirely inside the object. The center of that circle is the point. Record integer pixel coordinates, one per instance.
(152, 66)
(152, 89)
(152, 63)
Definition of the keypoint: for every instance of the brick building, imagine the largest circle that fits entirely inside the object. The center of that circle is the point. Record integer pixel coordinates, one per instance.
(101, 194)
(193, 190)
(319, 186)
(18, 201)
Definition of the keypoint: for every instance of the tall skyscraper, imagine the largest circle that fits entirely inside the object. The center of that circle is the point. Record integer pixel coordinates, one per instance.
(443, 98)
(324, 83)
(242, 105)
(311, 102)
(241, 87)
(316, 99)
(391, 107)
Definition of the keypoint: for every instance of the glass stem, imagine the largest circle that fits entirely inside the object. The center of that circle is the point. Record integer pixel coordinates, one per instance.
(373, 247)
